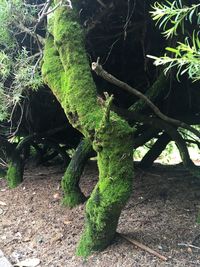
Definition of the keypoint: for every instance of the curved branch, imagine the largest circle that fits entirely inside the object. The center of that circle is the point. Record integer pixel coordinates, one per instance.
(110, 78)
(152, 93)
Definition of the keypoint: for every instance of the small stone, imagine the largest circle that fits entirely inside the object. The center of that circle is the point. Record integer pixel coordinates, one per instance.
(28, 263)
(67, 222)
(2, 203)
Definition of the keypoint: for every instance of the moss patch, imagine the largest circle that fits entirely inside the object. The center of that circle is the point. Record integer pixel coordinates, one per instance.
(14, 174)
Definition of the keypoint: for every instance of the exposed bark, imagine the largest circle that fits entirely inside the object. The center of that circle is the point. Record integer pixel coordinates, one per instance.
(145, 136)
(70, 182)
(6, 148)
(155, 151)
(170, 130)
(57, 150)
(67, 72)
(17, 157)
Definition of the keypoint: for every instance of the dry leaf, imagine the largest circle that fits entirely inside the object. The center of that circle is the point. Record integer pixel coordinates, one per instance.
(2, 203)
(28, 263)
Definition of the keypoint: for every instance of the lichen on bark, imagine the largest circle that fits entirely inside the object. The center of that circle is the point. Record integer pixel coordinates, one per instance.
(67, 72)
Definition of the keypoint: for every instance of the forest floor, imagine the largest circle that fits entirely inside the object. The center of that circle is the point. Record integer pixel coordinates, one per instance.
(161, 214)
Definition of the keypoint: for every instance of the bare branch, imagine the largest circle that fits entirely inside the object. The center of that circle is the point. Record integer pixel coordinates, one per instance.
(42, 12)
(36, 36)
(110, 78)
(46, 10)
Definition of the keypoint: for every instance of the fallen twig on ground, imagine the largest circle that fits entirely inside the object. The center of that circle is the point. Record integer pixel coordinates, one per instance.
(145, 248)
(188, 245)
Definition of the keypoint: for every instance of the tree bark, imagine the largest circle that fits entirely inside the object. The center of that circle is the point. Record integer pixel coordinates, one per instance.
(70, 182)
(14, 174)
(67, 72)
(15, 170)
(155, 151)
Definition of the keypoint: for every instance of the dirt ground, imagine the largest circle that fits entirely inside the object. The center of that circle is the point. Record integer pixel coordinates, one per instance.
(161, 214)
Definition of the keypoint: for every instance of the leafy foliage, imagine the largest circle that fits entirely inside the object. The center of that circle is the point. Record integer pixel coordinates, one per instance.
(172, 15)
(186, 55)
(19, 68)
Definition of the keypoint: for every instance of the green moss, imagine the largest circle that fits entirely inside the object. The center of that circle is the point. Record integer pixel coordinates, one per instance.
(73, 198)
(70, 182)
(14, 174)
(66, 70)
(111, 193)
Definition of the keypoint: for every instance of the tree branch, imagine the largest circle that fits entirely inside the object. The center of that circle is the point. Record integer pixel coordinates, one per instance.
(143, 247)
(110, 78)
(36, 36)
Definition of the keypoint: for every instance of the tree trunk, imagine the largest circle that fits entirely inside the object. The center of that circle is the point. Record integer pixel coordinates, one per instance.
(15, 167)
(15, 170)
(67, 72)
(70, 182)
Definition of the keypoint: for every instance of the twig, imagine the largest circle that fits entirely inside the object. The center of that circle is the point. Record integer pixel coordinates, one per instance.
(110, 78)
(19, 121)
(188, 245)
(101, 3)
(143, 247)
(48, 10)
(30, 32)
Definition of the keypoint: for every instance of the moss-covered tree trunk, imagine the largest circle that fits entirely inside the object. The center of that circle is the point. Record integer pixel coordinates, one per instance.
(67, 72)
(15, 167)
(15, 170)
(70, 181)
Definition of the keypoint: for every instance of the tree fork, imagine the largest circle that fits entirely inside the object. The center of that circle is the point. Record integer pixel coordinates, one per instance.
(66, 70)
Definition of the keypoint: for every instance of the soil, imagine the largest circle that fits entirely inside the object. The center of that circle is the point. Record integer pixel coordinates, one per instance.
(162, 214)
